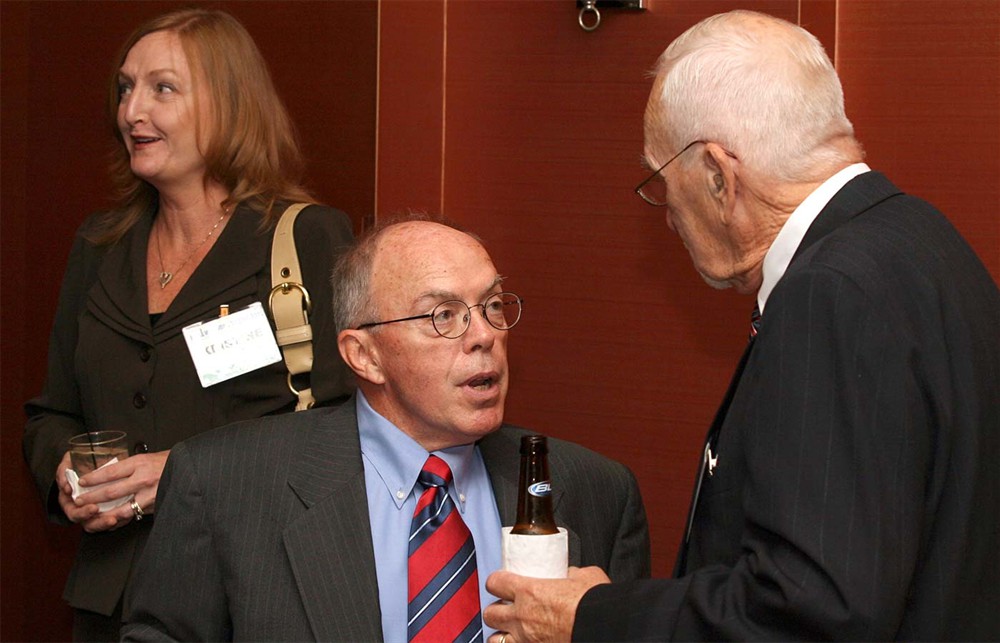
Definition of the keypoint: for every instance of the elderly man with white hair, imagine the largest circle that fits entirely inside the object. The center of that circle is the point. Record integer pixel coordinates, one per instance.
(849, 487)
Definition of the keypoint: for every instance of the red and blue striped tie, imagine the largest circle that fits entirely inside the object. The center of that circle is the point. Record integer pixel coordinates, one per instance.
(443, 597)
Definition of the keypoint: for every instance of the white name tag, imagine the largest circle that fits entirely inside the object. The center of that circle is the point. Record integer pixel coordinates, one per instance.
(232, 345)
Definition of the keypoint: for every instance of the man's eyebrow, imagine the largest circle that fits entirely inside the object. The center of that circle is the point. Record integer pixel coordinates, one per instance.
(447, 295)
(435, 295)
(493, 286)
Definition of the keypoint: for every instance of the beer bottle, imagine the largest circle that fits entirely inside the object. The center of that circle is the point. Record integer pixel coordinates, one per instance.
(534, 499)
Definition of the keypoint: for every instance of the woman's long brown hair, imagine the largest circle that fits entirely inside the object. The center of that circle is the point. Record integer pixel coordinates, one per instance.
(252, 147)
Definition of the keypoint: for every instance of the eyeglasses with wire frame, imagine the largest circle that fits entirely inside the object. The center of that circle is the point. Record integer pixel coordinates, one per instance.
(656, 193)
(452, 318)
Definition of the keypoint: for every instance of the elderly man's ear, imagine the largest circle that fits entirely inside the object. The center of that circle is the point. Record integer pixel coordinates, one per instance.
(361, 355)
(721, 174)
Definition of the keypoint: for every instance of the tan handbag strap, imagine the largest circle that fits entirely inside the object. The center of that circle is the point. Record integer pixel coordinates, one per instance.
(290, 305)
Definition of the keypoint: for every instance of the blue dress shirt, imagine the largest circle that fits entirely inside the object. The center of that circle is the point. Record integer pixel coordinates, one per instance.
(392, 461)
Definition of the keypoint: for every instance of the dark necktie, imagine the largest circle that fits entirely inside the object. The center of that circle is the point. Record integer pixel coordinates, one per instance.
(755, 321)
(443, 597)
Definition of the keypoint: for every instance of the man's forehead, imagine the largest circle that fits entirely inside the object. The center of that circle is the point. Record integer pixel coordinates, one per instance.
(429, 260)
(418, 238)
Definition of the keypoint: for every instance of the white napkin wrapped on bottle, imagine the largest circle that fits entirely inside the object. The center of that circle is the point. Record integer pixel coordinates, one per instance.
(544, 556)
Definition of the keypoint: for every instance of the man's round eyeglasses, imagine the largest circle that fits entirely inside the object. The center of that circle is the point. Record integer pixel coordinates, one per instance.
(452, 318)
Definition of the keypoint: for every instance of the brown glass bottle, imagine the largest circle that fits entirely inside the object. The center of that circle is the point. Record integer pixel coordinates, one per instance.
(534, 495)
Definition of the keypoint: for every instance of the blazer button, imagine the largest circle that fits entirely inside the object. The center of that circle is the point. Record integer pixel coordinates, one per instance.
(140, 447)
(139, 401)
(145, 353)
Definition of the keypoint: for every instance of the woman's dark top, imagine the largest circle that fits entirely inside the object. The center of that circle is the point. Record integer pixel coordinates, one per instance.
(111, 367)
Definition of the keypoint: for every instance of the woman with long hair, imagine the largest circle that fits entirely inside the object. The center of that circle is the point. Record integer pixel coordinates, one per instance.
(206, 164)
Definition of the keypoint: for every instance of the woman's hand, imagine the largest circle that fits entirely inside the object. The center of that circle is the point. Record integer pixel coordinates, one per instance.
(75, 513)
(137, 474)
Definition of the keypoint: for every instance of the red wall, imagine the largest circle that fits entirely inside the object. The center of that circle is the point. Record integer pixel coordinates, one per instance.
(922, 83)
(507, 117)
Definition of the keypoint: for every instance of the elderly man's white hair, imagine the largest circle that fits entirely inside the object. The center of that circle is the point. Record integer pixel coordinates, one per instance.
(763, 88)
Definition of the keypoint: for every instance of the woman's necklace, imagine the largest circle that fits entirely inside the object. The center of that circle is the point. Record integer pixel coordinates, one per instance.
(166, 276)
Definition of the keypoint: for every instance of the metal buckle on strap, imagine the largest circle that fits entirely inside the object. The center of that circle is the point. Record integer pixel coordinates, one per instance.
(285, 288)
(299, 395)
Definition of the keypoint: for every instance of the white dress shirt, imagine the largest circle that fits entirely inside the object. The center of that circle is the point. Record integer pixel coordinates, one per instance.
(779, 255)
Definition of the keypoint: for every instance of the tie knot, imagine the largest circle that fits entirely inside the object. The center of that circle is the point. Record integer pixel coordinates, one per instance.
(435, 473)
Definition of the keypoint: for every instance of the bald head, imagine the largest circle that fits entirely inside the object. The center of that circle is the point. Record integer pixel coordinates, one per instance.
(394, 249)
(421, 252)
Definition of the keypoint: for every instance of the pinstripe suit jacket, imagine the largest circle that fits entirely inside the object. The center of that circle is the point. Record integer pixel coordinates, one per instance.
(262, 529)
(857, 489)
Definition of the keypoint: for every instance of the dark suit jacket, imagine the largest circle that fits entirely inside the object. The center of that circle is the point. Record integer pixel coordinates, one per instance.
(110, 368)
(263, 530)
(857, 489)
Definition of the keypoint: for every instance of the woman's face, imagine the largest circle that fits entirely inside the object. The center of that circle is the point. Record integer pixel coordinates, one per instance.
(158, 113)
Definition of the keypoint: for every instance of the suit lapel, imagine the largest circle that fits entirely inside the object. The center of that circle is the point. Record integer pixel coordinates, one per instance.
(227, 273)
(503, 462)
(711, 441)
(118, 297)
(332, 539)
(502, 457)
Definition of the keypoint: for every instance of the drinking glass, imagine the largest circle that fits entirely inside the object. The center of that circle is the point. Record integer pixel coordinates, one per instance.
(94, 449)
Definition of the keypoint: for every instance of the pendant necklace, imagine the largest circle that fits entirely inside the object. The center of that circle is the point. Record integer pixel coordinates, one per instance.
(166, 276)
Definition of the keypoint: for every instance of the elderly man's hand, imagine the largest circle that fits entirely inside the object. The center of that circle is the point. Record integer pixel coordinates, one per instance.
(537, 609)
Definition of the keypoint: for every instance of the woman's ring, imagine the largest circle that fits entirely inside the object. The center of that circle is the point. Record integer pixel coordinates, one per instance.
(137, 510)
(503, 637)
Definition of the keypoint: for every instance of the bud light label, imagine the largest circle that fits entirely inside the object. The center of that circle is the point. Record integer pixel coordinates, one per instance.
(540, 489)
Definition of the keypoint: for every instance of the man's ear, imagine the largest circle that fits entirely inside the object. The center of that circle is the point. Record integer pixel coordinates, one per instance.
(720, 168)
(361, 355)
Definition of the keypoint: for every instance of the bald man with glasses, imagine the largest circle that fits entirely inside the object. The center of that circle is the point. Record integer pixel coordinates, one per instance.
(296, 527)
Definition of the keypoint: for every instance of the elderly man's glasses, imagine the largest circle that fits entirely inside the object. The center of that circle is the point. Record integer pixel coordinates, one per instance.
(654, 192)
(452, 318)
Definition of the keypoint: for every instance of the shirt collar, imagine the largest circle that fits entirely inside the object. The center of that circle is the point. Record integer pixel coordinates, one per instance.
(779, 255)
(398, 458)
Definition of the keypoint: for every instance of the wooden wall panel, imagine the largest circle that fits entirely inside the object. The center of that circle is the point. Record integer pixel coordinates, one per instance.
(922, 84)
(819, 17)
(57, 60)
(410, 105)
(34, 558)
